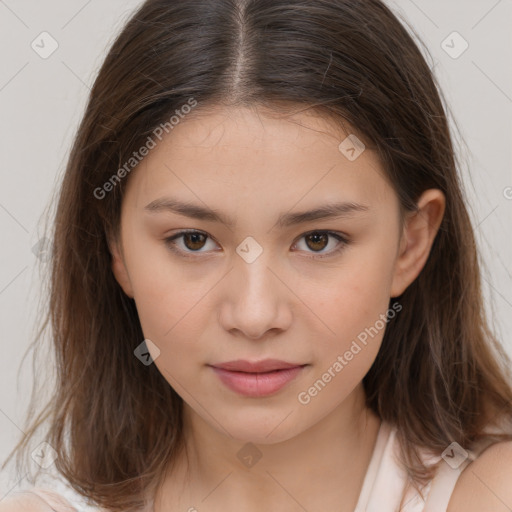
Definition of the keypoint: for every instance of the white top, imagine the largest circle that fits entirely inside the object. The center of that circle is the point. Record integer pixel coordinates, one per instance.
(385, 486)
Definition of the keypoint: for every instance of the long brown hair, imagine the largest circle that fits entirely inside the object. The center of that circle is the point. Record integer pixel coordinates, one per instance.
(440, 375)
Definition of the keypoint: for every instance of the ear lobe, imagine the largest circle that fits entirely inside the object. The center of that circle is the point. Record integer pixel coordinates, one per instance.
(119, 267)
(418, 235)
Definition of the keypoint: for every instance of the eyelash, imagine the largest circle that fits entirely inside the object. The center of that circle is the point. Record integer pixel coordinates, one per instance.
(171, 244)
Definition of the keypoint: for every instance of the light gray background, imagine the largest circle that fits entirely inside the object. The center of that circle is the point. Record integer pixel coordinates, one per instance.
(42, 100)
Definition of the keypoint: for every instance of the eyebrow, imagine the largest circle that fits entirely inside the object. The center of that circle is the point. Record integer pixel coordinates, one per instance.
(194, 211)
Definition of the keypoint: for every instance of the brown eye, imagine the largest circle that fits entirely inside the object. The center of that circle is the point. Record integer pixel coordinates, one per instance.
(194, 241)
(317, 241)
(190, 243)
(186, 243)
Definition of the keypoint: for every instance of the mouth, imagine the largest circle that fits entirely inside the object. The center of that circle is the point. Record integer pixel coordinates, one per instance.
(259, 378)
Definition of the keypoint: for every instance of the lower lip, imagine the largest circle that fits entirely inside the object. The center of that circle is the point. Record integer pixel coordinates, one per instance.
(257, 384)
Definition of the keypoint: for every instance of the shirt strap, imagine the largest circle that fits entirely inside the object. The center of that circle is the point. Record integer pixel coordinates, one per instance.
(456, 459)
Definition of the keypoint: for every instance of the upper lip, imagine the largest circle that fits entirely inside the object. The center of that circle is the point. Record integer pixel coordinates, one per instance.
(266, 365)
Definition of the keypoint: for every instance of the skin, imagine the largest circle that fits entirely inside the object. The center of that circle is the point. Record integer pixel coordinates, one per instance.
(282, 305)
(485, 483)
(216, 307)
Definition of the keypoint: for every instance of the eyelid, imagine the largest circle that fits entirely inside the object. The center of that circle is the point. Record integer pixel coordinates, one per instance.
(342, 238)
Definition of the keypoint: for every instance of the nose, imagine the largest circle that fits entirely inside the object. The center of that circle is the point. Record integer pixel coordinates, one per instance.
(255, 299)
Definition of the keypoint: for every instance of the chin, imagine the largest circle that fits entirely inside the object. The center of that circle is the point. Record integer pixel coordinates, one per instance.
(259, 427)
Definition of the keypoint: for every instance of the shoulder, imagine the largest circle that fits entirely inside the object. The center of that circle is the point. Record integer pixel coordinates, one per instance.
(36, 500)
(486, 483)
(24, 502)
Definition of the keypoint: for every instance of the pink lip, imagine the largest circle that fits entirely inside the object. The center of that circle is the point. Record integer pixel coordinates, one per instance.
(260, 378)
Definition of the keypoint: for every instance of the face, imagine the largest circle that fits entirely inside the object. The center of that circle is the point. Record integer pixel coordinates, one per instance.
(262, 283)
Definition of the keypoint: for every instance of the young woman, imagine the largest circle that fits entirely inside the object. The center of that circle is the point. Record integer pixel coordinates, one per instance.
(265, 291)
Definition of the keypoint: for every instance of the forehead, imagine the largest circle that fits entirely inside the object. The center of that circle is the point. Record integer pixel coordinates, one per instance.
(246, 157)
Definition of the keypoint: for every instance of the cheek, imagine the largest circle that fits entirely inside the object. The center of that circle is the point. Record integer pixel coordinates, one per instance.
(172, 309)
(358, 293)
(354, 306)
(168, 296)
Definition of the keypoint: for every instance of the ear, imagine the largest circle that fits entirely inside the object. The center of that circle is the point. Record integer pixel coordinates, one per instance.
(419, 232)
(119, 267)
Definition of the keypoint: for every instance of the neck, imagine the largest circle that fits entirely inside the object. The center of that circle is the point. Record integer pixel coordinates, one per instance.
(296, 470)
